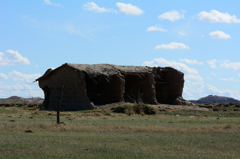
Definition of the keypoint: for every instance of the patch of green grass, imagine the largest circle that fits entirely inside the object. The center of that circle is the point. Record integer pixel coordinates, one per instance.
(215, 110)
(118, 145)
(173, 134)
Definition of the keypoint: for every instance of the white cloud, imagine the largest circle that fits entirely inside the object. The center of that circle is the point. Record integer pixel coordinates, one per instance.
(156, 28)
(18, 76)
(219, 35)
(193, 89)
(212, 63)
(232, 93)
(187, 61)
(229, 79)
(3, 76)
(202, 36)
(71, 30)
(232, 65)
(91, 6)
(172, 16)
(172, 45)
(22, 90)
(215, 16)
(50, 3)
(12, 58)
(129, 9)
(193, 77)
(182, 33)
(214, 89)
(177, 65)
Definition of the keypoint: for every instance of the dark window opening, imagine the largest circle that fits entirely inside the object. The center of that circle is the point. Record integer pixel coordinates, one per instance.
(162, 92)
(134, 86)
(101, 90)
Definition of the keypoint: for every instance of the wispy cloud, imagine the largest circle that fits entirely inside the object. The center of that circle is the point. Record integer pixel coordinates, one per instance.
(20, 89)
(71, 29)
(219, 35)
(3, 76)
(172, 45)
(231, 93)
(91, 6)
(187, 61)
(50, 3)
(232, 65)
(129, 9)
(229, 79)
(163, 63)
(215, 16)
(212, 63)
(193, 77)
(172, 16)
(182, 33)
(12, 58)
(156, 28)
(215, 89)
(18, 76)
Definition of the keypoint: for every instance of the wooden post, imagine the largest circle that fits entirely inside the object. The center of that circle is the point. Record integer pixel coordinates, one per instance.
(58, 110)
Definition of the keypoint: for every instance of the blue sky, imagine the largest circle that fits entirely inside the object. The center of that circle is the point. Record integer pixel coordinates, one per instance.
(199, 38)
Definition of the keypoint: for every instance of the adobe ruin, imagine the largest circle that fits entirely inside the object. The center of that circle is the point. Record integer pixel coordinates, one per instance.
(81, 86)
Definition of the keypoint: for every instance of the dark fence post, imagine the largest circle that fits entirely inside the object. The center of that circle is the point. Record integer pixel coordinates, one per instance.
(58, 110)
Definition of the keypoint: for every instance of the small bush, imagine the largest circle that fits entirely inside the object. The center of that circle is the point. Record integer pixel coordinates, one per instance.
(107, 113)
(119, 109)
(226, 105)
(237, 105)
(141, 107)
(137, 108)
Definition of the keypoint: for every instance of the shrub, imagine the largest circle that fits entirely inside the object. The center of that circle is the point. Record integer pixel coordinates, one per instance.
(141, 107)
(137, 108)
(119, 109)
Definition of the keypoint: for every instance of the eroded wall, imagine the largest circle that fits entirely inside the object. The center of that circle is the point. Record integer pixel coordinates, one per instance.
(169, 85)
(140, 88)
(74, 92)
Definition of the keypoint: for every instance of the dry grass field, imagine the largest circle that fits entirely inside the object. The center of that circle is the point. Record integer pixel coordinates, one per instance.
(208, 131)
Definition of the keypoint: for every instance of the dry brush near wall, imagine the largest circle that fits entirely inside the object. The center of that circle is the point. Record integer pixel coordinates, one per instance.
(32, 111)
(114, 127)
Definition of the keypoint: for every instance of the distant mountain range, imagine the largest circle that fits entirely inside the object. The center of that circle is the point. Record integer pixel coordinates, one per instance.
(215, 99)
(16, 99)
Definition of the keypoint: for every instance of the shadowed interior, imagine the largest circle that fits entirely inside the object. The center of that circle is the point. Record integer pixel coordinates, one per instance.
(103, 90)
(134, 88)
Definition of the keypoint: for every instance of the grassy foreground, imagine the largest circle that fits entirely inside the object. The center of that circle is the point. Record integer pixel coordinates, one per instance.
(26, 132)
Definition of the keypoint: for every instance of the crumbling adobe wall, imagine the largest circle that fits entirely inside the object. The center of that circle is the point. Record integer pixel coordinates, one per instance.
(140, 88)
(74, 91)
(169, 85)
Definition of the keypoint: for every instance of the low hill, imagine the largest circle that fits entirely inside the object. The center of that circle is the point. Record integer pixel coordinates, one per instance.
(215, 99)
(16, 99)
